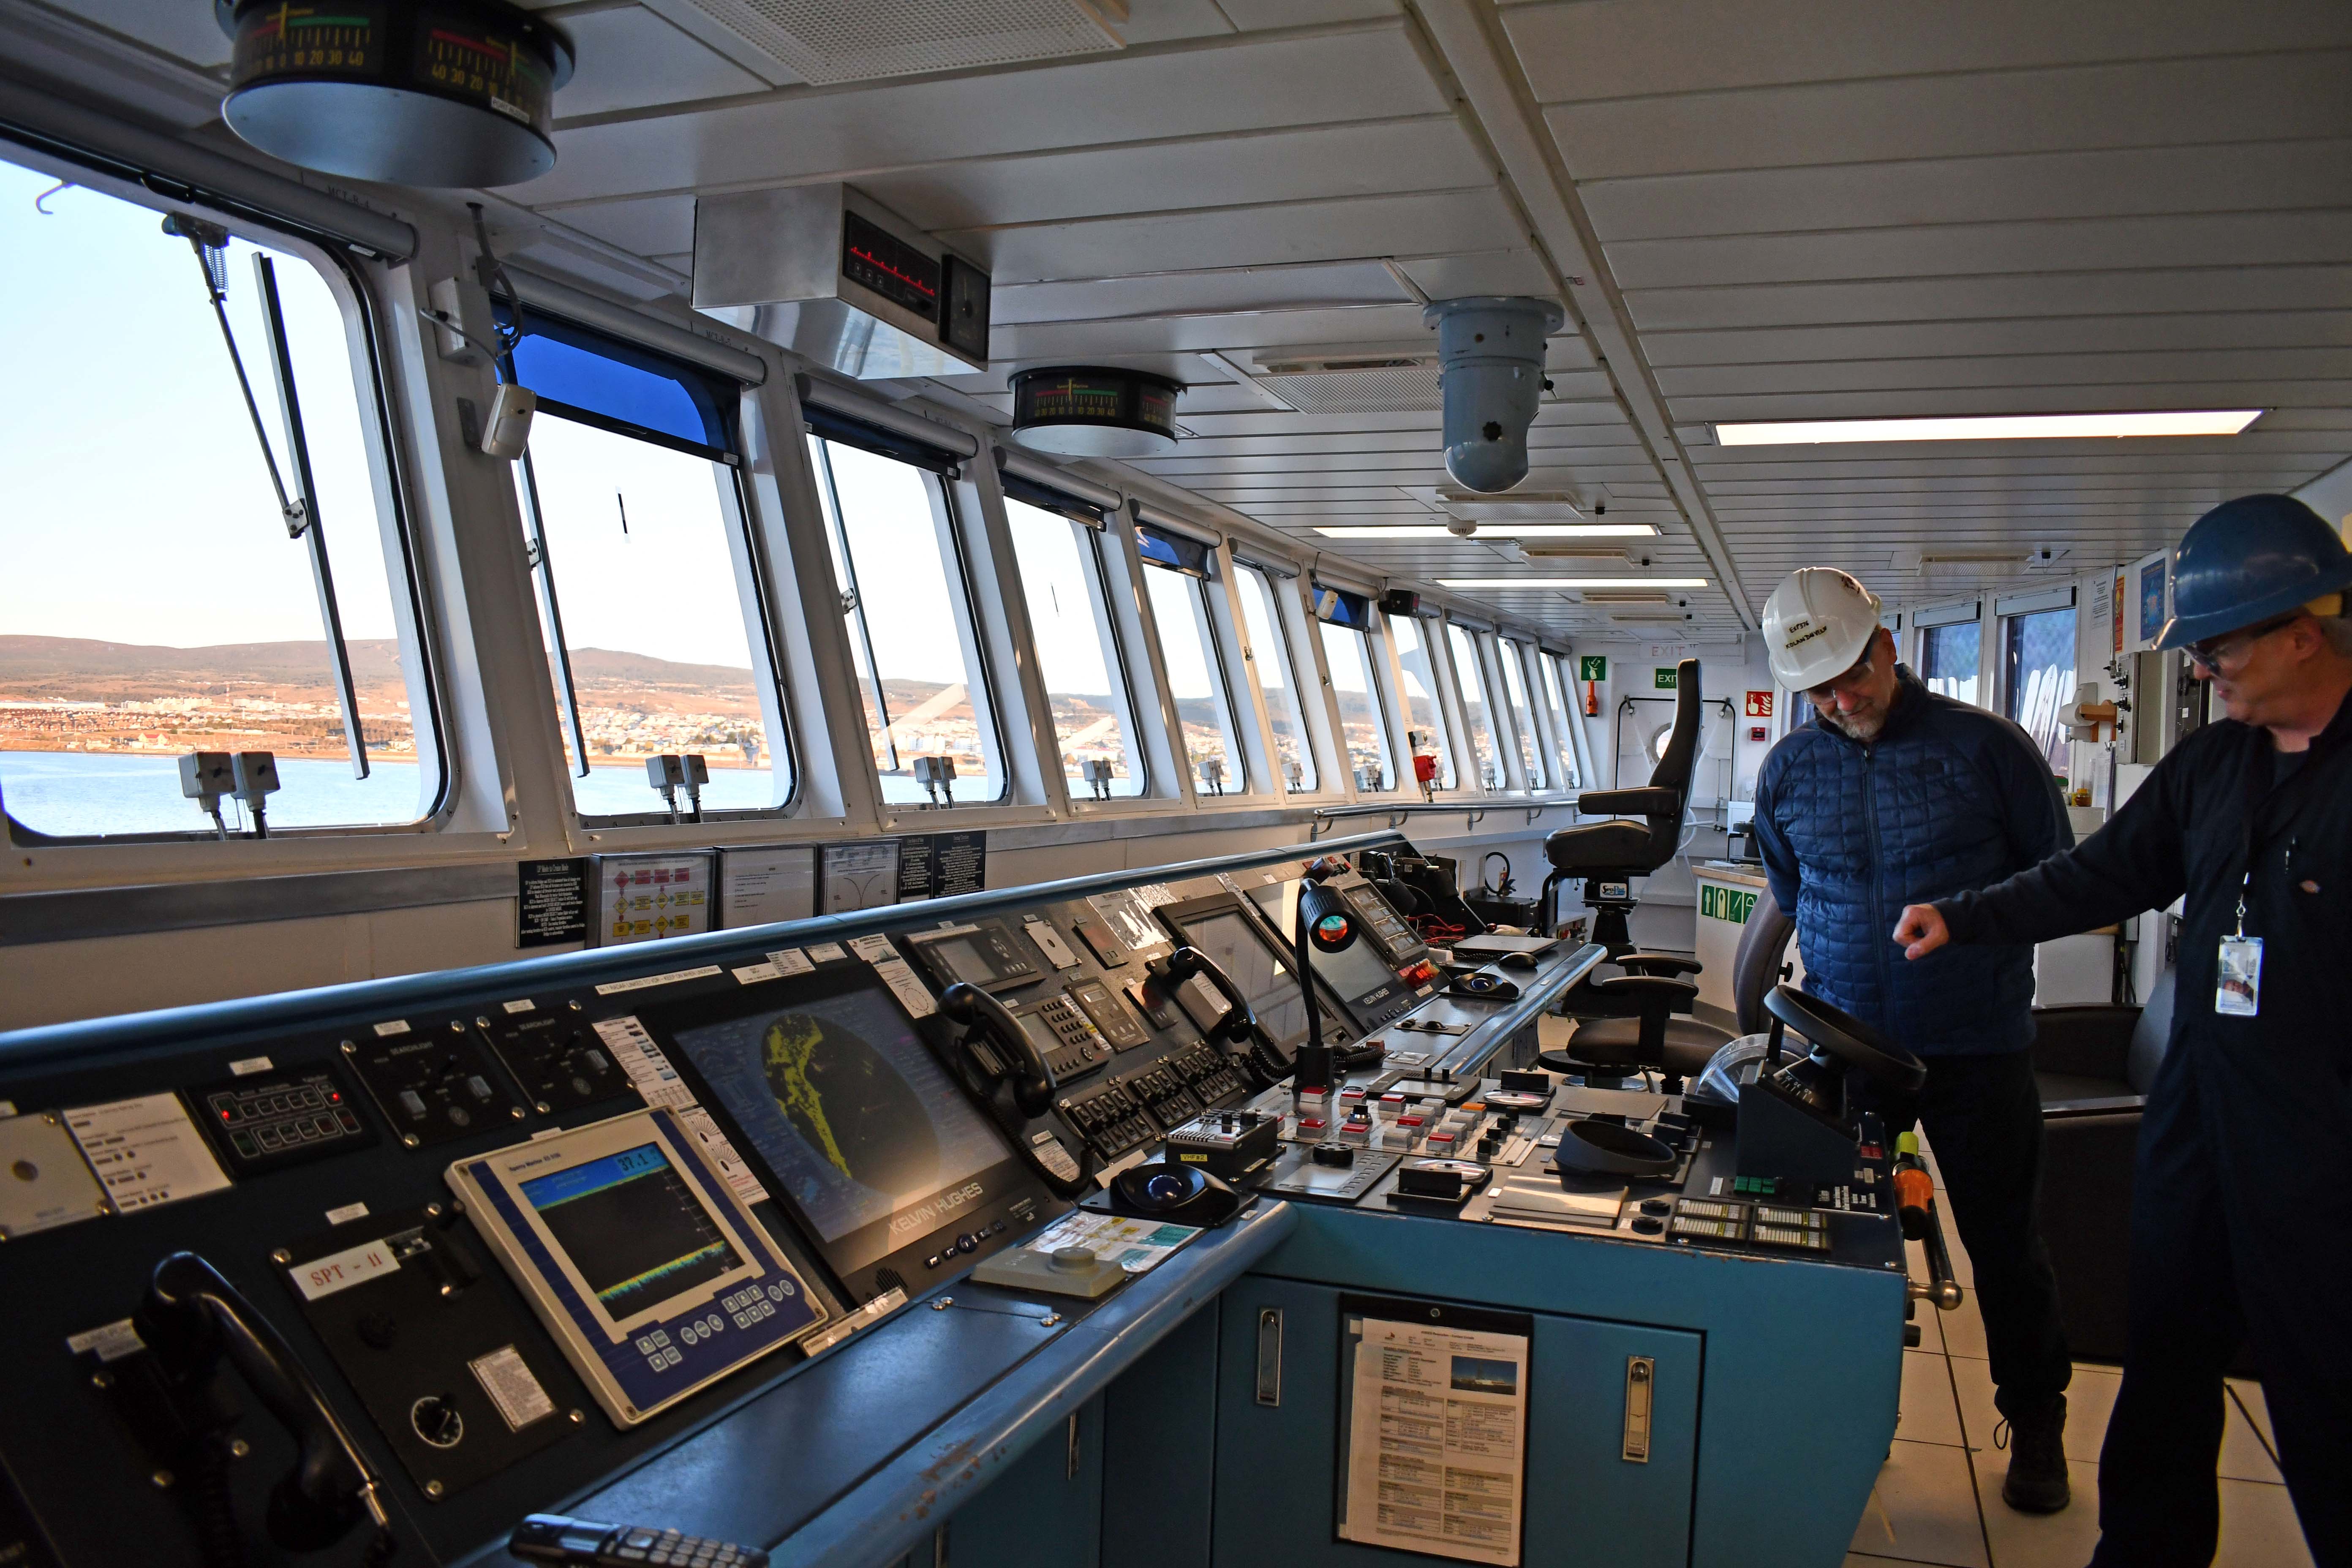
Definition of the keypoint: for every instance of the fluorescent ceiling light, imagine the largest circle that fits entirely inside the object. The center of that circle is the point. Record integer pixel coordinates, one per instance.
(1497, 530)
(1547, 584)
(1990, 427)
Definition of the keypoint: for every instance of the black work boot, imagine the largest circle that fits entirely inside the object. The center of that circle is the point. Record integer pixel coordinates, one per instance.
(2035, 1439)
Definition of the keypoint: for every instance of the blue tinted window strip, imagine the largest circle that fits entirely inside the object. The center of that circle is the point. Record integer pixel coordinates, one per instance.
(1353, 611)
(638, 432)
(636, 389)
(827, 424)
(1178, 553)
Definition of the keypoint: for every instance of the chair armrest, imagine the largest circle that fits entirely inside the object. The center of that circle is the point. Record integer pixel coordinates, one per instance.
(2085, 1042)
(1628, 996)
(1641, 802)
(1666, 963)
(2116, 1105)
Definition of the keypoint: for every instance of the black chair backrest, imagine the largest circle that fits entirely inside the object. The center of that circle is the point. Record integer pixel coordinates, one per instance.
(2150, 1036)
(1756, 967)
(1673, 769)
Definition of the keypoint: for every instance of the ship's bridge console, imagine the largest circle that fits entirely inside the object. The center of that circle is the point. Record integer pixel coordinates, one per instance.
(994, 1229)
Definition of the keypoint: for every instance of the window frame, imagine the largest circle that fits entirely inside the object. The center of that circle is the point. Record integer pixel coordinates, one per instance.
(1473, 634)
(754, 582)
(1371, 644)
(1559, 696)
(1273, 578)
(1511, 654)
(1211, 625)
(2011, 619)
(1449, 778)
(949, 521)
(1091, 542)
(354, 277)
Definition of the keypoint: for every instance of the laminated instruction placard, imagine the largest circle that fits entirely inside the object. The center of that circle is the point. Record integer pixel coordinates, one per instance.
(1435, 1421)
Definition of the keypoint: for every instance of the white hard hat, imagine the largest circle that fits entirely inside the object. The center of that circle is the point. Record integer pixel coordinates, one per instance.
(1816, 626)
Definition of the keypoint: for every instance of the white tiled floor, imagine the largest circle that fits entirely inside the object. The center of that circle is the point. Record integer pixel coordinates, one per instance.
(1938, 1498)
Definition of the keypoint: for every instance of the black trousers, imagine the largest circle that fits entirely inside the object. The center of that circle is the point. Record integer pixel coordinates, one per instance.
(1983, 1116)
(2240, 1234)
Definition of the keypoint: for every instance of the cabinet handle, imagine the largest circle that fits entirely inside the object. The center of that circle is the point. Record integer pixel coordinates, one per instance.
(1270, 1356)
(1641, 1373)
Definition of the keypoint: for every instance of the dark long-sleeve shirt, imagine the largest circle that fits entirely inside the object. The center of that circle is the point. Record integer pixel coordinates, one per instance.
(2187, 832)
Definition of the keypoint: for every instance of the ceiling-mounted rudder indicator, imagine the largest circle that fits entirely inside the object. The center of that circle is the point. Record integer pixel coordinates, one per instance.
(1093, 411)
(456, 93)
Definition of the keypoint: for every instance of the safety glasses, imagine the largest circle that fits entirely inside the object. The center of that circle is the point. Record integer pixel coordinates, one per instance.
(2213, 652)
(1853, 676)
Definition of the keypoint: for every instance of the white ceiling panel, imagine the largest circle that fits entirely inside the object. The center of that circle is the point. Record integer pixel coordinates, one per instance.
(2245, 330)
(1239, 288)
(2252, 288)
(649, 225)
(2048, 399)
(2173, 103)
(2153, 369)
(1619, 48)
(1930, 250)
(1324, 229)
(2255, 177)
(1180, 90)
(631, 59)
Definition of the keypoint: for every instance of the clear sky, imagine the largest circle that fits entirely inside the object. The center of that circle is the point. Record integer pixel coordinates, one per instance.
(138, 508)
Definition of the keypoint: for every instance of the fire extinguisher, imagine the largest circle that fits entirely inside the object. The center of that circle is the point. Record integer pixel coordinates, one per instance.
(1592, 700)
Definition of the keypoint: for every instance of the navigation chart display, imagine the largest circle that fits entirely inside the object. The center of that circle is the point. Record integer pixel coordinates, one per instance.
(853, 1115)
(630, 1227)
(1240, 950)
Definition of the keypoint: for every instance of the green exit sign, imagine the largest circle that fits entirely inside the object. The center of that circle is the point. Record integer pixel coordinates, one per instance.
(1725, 904)
(1592, 666)
(1664, 679)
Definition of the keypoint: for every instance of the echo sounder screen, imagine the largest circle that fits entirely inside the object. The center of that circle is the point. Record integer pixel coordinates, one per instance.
(632, 1228)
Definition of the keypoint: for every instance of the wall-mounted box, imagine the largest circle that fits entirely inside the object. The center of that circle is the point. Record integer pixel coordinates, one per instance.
(841, 279)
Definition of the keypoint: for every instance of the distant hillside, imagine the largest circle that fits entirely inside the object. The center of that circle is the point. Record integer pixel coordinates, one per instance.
(50, 658)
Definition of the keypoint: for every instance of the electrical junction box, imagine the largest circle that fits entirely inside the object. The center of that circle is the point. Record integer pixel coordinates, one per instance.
(840, 279)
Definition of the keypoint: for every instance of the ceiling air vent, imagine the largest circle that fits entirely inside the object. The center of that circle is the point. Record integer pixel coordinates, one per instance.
(825, 41)
(1636, 617)
(1395, 383)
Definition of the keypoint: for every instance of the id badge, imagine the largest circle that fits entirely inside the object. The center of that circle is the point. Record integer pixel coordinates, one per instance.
(2238, 988)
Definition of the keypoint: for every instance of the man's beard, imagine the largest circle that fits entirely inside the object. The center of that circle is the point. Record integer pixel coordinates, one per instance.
(1863, 729)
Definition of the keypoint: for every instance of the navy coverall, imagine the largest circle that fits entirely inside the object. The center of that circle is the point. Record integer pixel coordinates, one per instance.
(2242, 1207)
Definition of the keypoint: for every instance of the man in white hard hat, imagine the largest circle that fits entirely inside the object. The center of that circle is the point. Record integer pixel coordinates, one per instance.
(1894, 795)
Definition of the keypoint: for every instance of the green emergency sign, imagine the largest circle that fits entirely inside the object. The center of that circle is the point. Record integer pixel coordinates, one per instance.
(1731, 904)
(1592, 666)
(1664, 678)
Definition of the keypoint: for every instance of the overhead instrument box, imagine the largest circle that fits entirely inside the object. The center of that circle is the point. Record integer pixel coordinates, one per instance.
(842, 279)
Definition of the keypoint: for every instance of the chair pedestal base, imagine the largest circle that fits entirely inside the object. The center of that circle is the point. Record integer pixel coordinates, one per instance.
(1611, 899)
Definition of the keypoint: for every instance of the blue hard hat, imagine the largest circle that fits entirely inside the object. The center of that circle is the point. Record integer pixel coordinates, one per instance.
(2249, 559)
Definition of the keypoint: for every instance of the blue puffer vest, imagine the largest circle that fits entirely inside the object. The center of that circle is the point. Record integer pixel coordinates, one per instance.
(1948, 797)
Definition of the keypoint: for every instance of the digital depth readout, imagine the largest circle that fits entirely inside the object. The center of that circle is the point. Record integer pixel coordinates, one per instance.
(632, 1227)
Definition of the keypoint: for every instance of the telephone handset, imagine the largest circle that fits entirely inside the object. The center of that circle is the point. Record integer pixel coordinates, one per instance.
(1016, 1086)
(191, 1319)
(1269, 1063)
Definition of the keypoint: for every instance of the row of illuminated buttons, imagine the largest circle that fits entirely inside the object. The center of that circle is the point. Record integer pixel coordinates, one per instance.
(253, 1143)
(237, 1110)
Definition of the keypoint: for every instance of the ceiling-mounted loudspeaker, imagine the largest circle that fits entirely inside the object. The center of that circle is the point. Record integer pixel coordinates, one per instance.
(449, 93)
(1490, 354)
(1090, 411)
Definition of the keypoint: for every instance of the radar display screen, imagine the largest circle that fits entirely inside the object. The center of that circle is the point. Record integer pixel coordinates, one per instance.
(1240, 950)
(1355, 972)
(631, 1228)
(866, 1135)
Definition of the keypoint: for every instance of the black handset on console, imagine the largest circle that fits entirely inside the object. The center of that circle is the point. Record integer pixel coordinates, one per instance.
(1018, 1085)
(1269, 1064)
(190, 1320)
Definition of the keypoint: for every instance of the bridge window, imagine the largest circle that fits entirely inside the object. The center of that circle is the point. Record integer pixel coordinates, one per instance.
(1470, 671)
(2039, 677)
(1079, 660)
(1176, 578)
(1559, 700)
(1513, 659)
(1277, 677)
(158, 596)
(1344, 620)
(650, 593)
(906, 599)
(1422, 712)
(1948, 656)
